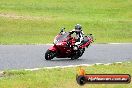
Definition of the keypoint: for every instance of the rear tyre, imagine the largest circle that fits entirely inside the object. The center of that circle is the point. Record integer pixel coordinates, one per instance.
(75, 56)
(78, 54)
(81, 52)
(49, 55)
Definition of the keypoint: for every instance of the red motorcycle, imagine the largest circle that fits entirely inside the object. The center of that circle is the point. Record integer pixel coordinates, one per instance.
(64, 46)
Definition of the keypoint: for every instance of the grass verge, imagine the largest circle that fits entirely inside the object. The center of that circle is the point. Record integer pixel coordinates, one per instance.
(62, 77)
(38, 21)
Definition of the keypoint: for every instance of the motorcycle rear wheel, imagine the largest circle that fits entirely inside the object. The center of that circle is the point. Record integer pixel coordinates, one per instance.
(49, 55)
(75, 56)
(78, 54)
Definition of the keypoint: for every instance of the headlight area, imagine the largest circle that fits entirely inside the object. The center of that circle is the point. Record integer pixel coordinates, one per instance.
(55, 41)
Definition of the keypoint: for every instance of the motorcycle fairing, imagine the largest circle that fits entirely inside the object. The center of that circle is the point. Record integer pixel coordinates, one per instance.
(53, 48)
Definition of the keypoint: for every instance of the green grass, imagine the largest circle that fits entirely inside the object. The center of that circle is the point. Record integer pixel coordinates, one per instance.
(38, 21)
(62, 77)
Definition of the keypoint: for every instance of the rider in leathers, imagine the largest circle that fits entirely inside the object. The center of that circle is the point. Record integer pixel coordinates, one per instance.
(79, 34)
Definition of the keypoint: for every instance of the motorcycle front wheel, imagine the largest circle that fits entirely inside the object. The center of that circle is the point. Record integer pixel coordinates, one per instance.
(49, 55)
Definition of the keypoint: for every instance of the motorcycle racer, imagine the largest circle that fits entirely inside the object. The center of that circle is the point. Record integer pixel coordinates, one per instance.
(67, 46)
(79, 34)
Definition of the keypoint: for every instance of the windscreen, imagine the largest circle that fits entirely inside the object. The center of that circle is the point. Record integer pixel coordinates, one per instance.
(61, 37)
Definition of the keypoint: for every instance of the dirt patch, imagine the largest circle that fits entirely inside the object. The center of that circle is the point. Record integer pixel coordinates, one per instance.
(15, 16)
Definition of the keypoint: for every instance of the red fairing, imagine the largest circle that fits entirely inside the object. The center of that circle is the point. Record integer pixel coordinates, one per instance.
(64, 47)
(87, 44)
(53, 48)
(90, 39)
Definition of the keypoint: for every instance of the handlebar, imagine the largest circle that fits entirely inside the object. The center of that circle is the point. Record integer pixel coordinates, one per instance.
(62, 30)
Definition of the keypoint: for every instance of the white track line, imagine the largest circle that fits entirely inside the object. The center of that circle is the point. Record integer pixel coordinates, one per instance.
(69, 66)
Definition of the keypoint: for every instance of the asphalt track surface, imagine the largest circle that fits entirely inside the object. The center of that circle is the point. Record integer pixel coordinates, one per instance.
(32, 56)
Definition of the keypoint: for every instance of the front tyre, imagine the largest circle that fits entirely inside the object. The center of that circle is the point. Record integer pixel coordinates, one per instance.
(49, 55)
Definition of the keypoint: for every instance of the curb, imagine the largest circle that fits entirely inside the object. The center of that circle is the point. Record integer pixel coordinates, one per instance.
(69, 66)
